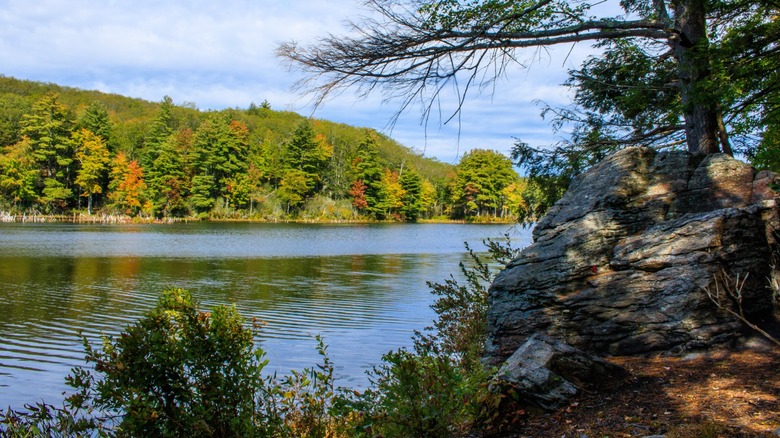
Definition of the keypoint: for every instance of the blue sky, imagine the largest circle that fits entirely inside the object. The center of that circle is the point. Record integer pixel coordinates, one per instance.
(219, 54)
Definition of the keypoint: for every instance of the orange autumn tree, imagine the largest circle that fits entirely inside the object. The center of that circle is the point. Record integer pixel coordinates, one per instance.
(127, 185)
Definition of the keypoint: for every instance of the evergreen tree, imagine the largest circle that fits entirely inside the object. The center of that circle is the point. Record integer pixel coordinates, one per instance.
(412, 200)
(162, 128)
(95, 118)
(167, 181)
(48, 129)
(308, 153)
(220, 149)
(367, 173)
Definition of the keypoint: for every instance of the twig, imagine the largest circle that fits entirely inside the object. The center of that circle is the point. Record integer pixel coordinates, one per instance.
(732, 289)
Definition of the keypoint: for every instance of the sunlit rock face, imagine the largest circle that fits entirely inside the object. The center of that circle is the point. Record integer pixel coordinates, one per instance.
(621, 263)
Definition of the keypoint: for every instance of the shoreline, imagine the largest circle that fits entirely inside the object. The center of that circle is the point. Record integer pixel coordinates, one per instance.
(81, 218)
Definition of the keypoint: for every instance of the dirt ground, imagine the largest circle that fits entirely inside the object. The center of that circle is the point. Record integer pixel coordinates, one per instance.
(717, 394)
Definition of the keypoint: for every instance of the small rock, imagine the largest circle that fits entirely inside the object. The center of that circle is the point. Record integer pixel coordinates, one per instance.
(547, 372)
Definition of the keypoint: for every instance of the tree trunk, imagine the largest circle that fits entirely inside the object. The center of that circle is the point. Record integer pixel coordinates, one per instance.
(691, 48)
(725, 145)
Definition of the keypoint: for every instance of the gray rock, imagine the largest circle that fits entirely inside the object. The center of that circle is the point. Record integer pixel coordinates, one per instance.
(619, 264)
(546, 372)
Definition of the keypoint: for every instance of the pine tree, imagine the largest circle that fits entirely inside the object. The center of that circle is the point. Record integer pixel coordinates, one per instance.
(163, 126)
(48, 129)
(95, 118)
(167, 182)
(412, 202)
(367, 173)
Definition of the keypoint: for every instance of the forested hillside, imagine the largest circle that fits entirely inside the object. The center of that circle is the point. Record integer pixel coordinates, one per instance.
(65, 150)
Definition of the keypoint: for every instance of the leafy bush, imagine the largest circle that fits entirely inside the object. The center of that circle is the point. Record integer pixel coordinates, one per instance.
(308, 404)
(176, 372)
(441, 388)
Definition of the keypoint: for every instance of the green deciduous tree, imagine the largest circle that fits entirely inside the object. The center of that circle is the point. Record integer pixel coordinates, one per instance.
(767, 154)
(481, 177)
(12, 109)
(18, 174)
(391, 194)
(294, 188)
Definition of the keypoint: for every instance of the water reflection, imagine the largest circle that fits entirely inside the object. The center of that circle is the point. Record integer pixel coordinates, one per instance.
(57, 280)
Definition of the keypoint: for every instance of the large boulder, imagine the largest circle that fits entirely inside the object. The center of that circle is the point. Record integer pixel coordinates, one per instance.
(620, 265)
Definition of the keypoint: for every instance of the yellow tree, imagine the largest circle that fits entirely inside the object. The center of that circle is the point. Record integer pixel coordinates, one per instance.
(18, 173)
(93, 159)
(514, 202)
(428, 196)
(391, 193)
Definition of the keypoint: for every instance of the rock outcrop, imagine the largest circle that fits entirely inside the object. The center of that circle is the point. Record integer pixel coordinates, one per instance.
(619, 265)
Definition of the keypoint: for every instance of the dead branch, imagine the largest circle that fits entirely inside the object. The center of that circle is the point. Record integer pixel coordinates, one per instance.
(727, 295)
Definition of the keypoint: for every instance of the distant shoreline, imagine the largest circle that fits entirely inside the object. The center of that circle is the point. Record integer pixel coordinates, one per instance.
(80, 218)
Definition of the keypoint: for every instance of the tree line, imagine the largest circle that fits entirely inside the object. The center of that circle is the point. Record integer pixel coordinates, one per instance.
(252, 163)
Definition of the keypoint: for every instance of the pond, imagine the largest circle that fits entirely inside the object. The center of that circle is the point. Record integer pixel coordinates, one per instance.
(362, 287)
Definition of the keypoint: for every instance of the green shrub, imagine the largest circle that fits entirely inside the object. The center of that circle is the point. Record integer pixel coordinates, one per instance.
(308, 404)
(441, 388)
(178, 372)
(426, 394)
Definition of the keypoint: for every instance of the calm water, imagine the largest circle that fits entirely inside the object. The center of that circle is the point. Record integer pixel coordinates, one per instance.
(361, 286)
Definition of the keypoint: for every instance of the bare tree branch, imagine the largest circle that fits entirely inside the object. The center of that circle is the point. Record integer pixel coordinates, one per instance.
(407, 56)
(727, 295)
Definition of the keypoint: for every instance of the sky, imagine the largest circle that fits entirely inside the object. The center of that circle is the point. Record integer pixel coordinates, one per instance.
(220, 54)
